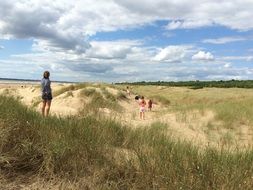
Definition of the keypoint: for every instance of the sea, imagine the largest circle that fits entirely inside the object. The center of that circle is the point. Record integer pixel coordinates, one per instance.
(18, 81)
(25, 81)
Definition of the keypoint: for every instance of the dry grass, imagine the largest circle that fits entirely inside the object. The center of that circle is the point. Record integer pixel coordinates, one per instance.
(95, 152)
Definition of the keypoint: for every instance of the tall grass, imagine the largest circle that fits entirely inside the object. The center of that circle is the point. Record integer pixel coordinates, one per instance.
(71, 87)
(233, 107)
(235, 113)
(161, 99)
(99, 100)
(111, 155)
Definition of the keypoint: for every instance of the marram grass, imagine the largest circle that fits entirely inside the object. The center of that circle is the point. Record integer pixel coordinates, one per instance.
(112, 156)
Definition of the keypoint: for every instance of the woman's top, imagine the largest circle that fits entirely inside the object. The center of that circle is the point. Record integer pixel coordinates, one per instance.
(45, 86)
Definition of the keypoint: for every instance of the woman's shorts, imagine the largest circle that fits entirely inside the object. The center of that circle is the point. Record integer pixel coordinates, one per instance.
(47, 96)
(142, 109)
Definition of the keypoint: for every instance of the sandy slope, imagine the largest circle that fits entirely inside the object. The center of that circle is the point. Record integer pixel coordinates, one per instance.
(65, 104)
(189, 126)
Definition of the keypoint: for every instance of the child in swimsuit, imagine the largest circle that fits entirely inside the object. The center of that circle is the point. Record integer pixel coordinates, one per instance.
(128, 91)
(150, 105)
(142, 105)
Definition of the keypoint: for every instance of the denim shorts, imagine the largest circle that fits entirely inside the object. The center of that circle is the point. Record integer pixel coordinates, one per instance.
(47, 96)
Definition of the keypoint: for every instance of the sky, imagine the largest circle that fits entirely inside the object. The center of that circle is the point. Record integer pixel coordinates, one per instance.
(126, 40)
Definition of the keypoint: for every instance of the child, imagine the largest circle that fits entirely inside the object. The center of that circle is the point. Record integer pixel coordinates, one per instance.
(150, 105)
(142, 105)
(128, 91)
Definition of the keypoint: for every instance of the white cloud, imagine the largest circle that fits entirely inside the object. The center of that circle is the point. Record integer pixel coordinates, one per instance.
(111, 49)
(62, 32)
(64, 25)
(236, 58)
(188, 24)
(225, 40)
(233, 14)
(40, 20)
(227, 65)
(80, 68)
(171, 54)
(1, 47)
(204, 56)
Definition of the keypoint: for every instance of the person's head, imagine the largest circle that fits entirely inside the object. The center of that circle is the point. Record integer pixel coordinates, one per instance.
(46, 74)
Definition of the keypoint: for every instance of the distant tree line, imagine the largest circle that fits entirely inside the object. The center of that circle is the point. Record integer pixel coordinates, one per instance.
(199, 84)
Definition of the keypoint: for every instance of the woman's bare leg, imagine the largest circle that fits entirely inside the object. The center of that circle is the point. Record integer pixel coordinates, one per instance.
(43, 108)
(48, 107)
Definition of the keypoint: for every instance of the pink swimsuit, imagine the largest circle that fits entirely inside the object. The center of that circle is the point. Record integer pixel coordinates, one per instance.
(142, 106)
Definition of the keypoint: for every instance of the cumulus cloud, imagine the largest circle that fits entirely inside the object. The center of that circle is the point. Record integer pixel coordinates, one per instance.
(73, 68)
(193, 14)
(40, 20)
(89, 67)
(203, 56)
(227, 65)
(188, 24)
(62, 33)
(225, 40)
(171, 54)
(110, 49)
(66, 26)
(236, 58)
(62, 25)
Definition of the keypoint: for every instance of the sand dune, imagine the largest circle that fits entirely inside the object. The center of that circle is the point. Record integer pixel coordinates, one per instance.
(70, 103)
(191, 125)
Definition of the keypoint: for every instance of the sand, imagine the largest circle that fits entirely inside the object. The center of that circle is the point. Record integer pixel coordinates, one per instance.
(70, 103)
(191, 125)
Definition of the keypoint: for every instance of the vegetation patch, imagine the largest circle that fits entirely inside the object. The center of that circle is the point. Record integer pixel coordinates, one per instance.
(71, 87)
(77, 148)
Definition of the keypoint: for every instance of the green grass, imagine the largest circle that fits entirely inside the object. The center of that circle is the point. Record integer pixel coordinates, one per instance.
(161, 99)
(108, 95)
(235, 113)
(233, 107)
(121, 96)
(71, 87)
(113, 156)
(98, 101)
(87, 92)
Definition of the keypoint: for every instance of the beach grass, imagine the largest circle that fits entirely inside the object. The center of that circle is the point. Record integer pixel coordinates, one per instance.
(233, 107)
(99, 99)
(111, 155)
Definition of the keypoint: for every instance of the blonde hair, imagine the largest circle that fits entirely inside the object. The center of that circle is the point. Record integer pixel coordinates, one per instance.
(46, 74)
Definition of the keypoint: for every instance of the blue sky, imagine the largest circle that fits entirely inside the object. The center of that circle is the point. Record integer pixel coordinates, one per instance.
(115, 41)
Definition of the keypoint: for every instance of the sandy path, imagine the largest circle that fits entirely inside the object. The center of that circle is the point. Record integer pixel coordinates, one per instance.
(190, 128)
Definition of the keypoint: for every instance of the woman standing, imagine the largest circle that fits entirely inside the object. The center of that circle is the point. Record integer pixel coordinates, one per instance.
(46, 93)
